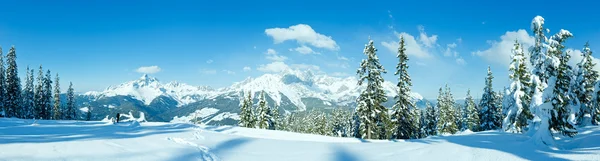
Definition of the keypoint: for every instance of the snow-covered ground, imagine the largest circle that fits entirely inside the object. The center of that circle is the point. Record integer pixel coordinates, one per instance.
(98, 140)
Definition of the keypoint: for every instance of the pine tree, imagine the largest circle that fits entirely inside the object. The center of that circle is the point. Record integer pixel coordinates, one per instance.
(71, 112)
(40, 106)
(57, 109)
(416, 123)
(48, 95)
(583, 85)
(28, 95)
(263, 112)
(562, 93)
(472, 118)
(430, 119)
(401, 116)
(340, 124)
(13, 86)
(489, 118)
(274, 115)
(517, 110)
(373, 116)
(246, 116)
(3, 95)
(446, 118)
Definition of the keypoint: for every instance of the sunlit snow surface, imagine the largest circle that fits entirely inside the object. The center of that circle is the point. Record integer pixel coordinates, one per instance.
(97, 140)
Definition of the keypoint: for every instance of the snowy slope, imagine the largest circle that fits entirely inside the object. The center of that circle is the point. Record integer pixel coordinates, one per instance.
(97, 140)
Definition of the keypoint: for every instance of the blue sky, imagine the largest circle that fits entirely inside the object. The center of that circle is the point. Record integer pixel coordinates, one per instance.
(100, 43)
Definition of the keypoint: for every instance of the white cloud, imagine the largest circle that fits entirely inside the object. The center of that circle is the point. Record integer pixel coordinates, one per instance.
(428, 41)
(450, 50)
(208, 71)
(343, 58)
(148, 69)
(274, 67)
(461, 61)
(500, 51)
(306, 67)
(209, 61)
(303, 34)
(413, 48)
(576, 57)
(453, 45)
(247, 69)
(273, 56)
(305, 50)
(229, 72)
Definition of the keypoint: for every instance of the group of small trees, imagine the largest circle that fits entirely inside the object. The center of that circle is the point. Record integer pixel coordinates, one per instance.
(263, 117)
(32, 101)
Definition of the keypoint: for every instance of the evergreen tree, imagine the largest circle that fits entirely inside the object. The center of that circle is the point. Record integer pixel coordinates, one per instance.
(472, 118)
(88, 115)
(583, 85)
(263, 112)
(13, 86)
(423, 123)
(320, 124)
(246, 116)
(274, 115)
(28, 95)
(57, 109)
(48, 95)
(340, 122)
(71, 112)
(3, 95)
(373, 116)
(562, 93)
(430, 122)
(517, 111)
(416, 123)
(401, 115)
(489, 118)
(446, 118)
(40, 106)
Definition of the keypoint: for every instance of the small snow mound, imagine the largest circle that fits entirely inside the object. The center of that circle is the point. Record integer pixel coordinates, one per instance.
(134, 123)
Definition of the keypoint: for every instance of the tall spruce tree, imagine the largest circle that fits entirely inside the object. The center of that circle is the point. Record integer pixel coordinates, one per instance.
(404, 127)
(489, 118)
(246, 115)
(13, 85)
(430, 119)
(263, 112)
(3, 95)
(371, 113)
(48, 95)
(562, 87)
(40, 107)
(472, 115)
(57, 106)
(446, 118)
(28, 95)
(583, 85)
(71, 112)
(518, 113)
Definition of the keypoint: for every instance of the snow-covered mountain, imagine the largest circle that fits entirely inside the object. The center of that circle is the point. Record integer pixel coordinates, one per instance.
(293, 90)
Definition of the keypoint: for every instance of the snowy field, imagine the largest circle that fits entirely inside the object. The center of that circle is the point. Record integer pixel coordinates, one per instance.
(97, 140)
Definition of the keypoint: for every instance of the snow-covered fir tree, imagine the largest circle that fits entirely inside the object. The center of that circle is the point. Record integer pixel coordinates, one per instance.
(371, 113)
(28, 95)
(340, 122)
(13, 85)
(246, 115)
(430, 122)
(40, 107)
(263, 112)
(472, 115)
(446, 118)
(48, 94)
(71, 112)
(490, 119)
(274, 121)
(4, 108)
(57, 106)
(416, 123)
(583, 86)
(459, 114)
(562, 95)
(320, 124)
(402, 118)
(422, 123)
(516, 104)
